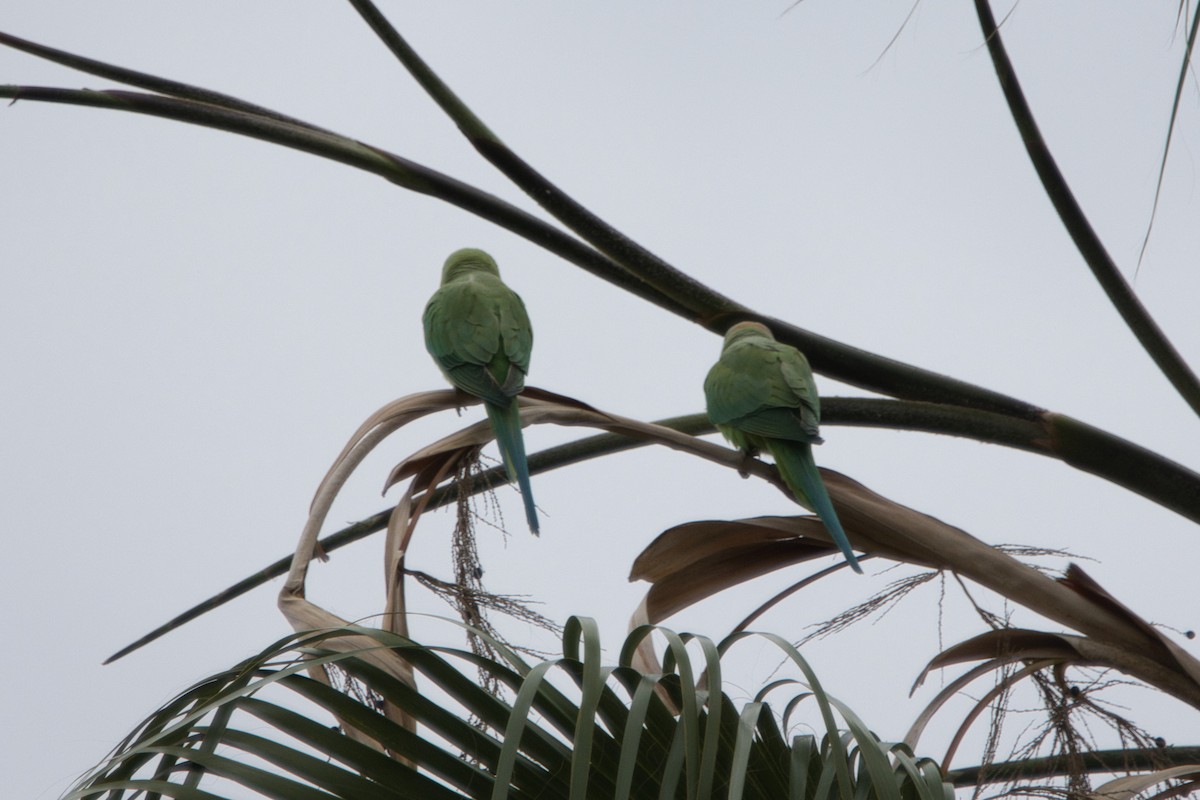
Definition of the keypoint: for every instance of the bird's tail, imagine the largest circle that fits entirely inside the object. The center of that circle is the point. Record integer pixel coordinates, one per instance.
(799, 471)
(506, 423)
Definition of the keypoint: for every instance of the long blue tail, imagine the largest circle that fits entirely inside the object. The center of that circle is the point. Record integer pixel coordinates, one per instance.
(799, 471)
(506, 423)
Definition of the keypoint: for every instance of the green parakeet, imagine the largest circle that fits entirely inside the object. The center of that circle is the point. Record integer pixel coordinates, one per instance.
(761, 396)
(477, 331)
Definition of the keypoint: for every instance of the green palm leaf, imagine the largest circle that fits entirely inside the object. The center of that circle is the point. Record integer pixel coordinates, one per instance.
(263, 727)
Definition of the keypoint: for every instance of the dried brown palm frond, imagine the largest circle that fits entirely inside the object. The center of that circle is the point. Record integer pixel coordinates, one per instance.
(695, 561)
(691, 562)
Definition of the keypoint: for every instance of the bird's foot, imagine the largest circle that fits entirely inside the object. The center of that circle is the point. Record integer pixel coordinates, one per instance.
(744, 466)
(461, 400)
(319, 552)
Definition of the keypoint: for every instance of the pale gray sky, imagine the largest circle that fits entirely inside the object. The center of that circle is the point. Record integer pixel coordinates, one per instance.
(193, 322)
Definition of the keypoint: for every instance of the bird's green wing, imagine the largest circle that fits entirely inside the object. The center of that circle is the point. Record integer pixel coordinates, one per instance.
(731, 393)
(759, 388)
(516, 335)
(798, 377)
(479, 333)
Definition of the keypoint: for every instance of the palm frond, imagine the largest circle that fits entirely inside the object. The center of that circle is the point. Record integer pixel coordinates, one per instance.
(575, 728)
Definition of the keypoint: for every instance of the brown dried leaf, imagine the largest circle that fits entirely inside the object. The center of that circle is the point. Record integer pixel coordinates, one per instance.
(684, 571)
(645, 658)
(537, 407)
(1083, 583)
(879, 525)
(1005, 645)
(391, 417)
(431, 459)
(305, 615)
(1131, 786)
(534, 393)
(690, 562)
(680, 547)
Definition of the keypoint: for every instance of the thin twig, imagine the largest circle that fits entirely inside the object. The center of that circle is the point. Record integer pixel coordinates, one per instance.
(1162, 167)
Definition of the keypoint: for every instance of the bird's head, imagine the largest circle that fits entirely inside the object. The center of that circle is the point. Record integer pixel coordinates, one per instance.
(747, 330)
(468, 260)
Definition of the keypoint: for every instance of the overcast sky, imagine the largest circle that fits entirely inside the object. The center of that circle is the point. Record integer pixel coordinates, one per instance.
(193, 323)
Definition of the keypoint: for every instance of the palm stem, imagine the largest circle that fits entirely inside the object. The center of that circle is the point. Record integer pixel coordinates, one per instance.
(278, 129)
(1133, 759)
(1119, 292)
(706, 307)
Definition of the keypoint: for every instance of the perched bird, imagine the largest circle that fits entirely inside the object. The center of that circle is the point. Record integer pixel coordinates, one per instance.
(477, 331)
(760, 394)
